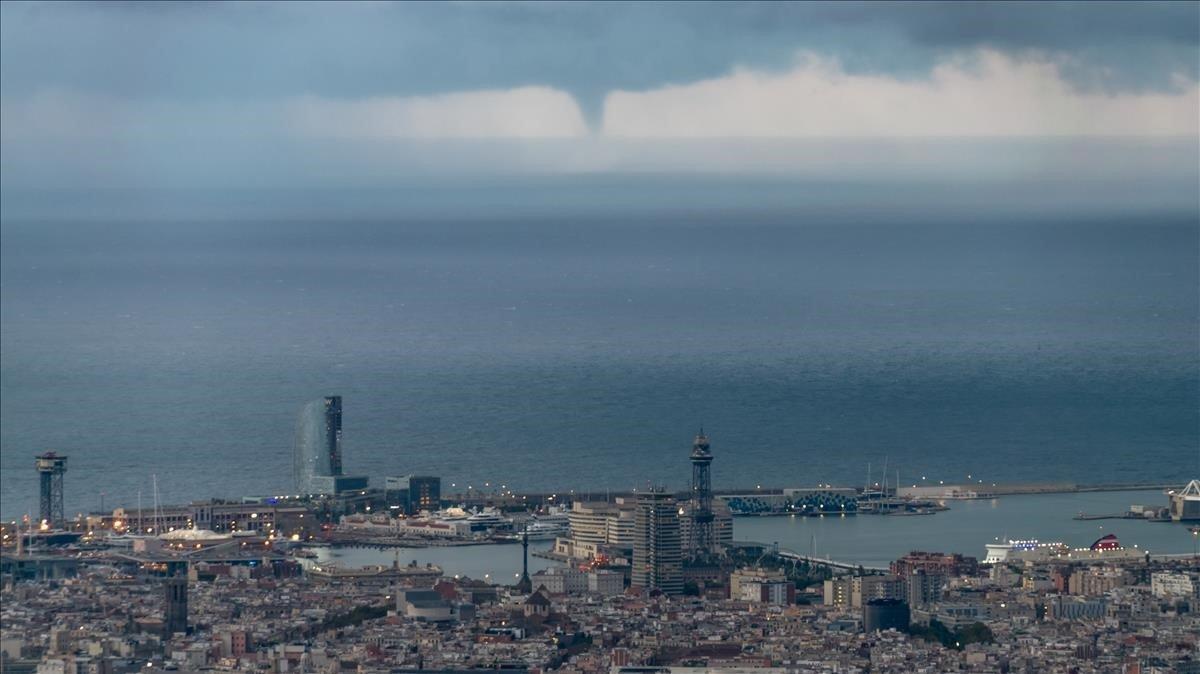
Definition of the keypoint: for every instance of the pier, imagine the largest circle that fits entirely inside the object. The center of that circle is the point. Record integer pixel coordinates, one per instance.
(833, 564)
(1111, 516)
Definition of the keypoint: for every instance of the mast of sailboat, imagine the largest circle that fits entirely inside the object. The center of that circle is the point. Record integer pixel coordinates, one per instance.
(141, 527)
(883, 493)
(154, 485)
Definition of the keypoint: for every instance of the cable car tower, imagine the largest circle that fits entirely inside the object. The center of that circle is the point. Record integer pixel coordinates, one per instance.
(50, 468)
(703, 536)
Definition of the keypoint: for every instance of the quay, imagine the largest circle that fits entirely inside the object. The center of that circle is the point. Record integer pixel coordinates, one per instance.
(819, 561)
(315, 519)
(551, 555)
(1110, 516)
(382, 544)
(509, 499)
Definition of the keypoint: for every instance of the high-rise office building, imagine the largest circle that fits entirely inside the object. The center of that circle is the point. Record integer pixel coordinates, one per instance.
(318, 450)
(424, 493)
(657, 553)
(414, 492)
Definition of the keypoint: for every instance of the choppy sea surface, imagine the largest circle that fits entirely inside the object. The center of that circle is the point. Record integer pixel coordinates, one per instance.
(584, 351)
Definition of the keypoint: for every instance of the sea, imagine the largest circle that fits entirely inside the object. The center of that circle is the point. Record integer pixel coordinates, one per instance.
(564, 347)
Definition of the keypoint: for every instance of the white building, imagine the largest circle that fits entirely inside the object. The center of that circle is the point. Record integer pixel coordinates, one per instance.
(1175, 584)
(573, 549)
(761, 586)
(605, 582)
(561, 580)
(602, 523)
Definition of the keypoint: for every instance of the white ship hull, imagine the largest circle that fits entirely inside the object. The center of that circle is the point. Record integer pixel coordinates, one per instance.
(1036, 551)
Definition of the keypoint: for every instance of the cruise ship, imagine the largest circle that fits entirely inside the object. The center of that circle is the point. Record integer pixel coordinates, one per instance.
(1106, 548)
(539, 530)
(541, 526)
(488, 519)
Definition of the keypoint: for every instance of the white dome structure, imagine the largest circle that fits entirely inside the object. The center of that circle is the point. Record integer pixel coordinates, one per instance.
(194, 536)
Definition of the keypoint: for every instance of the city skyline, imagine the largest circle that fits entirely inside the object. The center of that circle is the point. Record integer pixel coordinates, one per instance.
(599, 338)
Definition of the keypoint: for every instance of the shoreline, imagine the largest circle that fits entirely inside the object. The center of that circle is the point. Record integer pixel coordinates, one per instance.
(964, 494)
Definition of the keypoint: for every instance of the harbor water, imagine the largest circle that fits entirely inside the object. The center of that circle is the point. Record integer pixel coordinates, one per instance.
(969, 525)
(865, 539)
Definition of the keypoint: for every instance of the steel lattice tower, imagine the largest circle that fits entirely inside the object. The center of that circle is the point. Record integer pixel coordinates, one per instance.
(703, 538)
(50, 468)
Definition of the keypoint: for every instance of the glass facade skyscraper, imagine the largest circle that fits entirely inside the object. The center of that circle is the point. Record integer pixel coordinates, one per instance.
(318, 450)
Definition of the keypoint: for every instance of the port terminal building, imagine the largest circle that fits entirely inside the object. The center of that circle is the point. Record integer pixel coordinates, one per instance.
(1184, 504)
(800, 501)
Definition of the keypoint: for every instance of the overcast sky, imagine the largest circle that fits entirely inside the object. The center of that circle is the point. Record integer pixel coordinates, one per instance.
(166, 95)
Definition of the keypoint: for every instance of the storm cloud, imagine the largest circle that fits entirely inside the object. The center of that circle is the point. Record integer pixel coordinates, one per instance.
(368, 49)
(167, 94)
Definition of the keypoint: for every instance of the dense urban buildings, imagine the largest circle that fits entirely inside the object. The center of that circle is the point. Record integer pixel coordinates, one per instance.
(765, 586)
(241, 587)
(949, 564)
(237, 587)
(231, 613)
